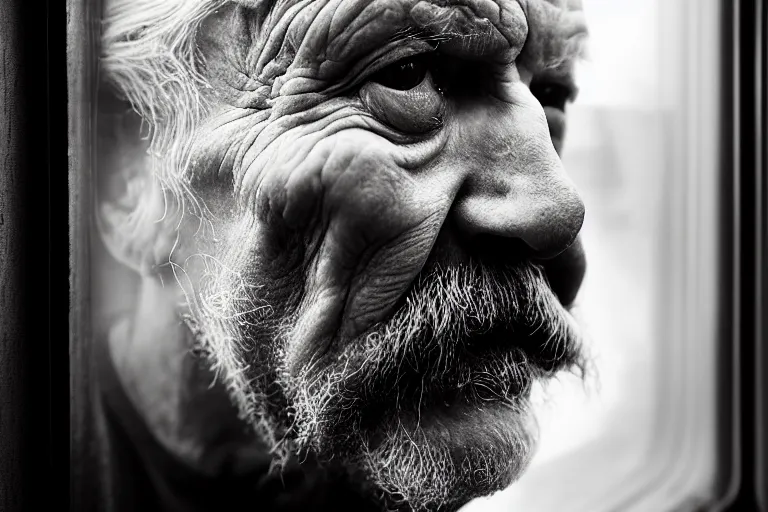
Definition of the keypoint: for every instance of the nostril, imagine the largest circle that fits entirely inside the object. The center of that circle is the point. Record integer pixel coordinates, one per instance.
(497, 250)
(566, 273)
(547, 246)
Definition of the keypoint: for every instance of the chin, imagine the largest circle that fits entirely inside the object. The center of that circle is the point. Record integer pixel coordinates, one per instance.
(435, 455)
(444, 457)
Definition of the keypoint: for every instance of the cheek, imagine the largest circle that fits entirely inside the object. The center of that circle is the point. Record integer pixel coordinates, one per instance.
(351, 185)
(363, 224)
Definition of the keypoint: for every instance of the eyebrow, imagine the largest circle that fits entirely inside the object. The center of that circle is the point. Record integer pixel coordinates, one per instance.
(457, 27)
(472, 29)
(557, 36)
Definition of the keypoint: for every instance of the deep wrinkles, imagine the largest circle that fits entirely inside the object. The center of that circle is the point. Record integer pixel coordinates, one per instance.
(274, 151)
(557, 34)
(298, 39)
(148, 56)
(290, 24)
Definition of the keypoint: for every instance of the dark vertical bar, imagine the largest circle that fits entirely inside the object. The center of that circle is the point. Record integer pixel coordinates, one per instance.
(13, 128)
(748, 247)
(761, 124)
(748, 221)
(727, 417)
(24, 319)
(744, 285)
(750, 264)
(57, 235)
(82, 62)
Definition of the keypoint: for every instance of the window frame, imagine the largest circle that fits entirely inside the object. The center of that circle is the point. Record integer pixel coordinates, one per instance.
(742, 358)
(89, 487)
(743, 402)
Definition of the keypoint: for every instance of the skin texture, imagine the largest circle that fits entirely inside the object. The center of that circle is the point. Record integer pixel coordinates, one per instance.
(374, 192)
(343, 201)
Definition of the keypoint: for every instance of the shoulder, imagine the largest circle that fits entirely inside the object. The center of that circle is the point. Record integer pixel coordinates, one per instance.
(206, 455)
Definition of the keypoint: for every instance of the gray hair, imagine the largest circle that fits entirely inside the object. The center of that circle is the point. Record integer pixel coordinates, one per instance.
(149, 58)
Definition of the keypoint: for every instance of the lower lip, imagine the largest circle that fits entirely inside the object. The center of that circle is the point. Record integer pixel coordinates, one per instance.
(462, 426)
(447, 411)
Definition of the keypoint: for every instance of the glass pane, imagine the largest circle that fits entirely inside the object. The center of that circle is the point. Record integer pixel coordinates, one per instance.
(361, 251)
(625, 151)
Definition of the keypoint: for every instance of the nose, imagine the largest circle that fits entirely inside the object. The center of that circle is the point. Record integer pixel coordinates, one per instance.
(515, 186)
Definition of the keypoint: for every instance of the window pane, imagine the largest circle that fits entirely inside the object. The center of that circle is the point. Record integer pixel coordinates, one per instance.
(635, 132)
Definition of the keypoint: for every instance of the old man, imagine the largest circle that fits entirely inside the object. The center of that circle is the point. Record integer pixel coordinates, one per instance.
(353, 242)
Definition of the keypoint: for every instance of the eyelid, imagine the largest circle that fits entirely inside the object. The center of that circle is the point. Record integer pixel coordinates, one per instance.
(390, 54)
(415, 111)
(564, 81)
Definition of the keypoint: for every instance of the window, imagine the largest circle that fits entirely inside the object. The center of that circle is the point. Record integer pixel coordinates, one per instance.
(669, 156)
(643, 148)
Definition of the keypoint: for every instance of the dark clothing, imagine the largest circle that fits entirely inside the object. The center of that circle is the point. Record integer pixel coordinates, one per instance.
(145, 477)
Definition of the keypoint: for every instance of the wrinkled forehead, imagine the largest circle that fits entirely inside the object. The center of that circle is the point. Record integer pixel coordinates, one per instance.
(549, 33)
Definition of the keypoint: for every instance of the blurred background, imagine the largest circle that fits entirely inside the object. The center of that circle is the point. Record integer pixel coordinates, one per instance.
(619, 152)
(615, 153)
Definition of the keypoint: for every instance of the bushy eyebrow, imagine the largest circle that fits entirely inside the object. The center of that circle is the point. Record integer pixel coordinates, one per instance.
(316, 39)
(313, 32)
(557, 37)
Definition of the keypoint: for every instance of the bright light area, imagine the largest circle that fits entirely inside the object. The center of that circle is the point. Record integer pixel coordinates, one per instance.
(614, 151)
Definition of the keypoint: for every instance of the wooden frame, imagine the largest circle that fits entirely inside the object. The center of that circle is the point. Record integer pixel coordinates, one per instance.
(83, 22)
(13, 130)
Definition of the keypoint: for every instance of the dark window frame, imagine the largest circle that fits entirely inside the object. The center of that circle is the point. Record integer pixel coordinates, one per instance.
(743, 399)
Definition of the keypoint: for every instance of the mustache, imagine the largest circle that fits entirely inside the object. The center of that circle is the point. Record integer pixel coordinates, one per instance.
(472, 331)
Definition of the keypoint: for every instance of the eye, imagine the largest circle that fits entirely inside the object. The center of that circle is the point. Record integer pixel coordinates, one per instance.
(551, 94)
(403, 75)
(404, 96)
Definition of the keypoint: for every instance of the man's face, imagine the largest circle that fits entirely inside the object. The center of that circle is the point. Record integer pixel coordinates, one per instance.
(390, 251)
